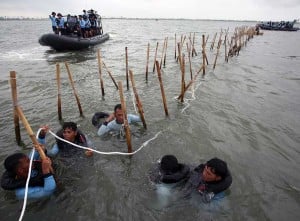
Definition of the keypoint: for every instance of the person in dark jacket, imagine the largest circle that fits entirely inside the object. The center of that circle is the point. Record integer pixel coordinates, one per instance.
(210, 179)
(72, 134)
(168, 170)
(41, 183)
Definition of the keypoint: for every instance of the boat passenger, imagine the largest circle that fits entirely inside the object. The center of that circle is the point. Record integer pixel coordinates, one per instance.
(87, 26)
(71, 133)
(168, 171)
(93, 25)
(115, 121)
(53, 21)
(60, 23)
(210, 179)
(41, 183)
(82, 26)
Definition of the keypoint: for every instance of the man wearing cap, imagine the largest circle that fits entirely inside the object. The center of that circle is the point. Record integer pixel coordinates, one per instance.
(53, 21)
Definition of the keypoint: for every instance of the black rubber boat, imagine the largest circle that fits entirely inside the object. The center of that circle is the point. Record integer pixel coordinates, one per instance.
(71, 42)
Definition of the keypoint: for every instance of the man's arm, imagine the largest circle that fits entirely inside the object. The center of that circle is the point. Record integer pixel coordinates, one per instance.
(133, 118)
(38, 191)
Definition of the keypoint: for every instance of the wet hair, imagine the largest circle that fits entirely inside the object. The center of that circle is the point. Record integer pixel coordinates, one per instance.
(219, 167)
(70, 125)
(118, 106)
(169, 164)
(11, 163)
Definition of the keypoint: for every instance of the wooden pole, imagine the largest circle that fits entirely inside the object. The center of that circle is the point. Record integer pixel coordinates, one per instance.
(189, 84)
(175, 47)
(126, 126)
(193, 46)
(162, 55)
(203, 54)
(74, 90)
(182, 77)
(58, 92)
(155, 57)
(110, 75)
(213, 42)
(165, 57)
(127, 80)
(189, 56)
(138, 101)
(147, 64)
(162, 89)
(100, 72)
(30, 132)
(13, 83)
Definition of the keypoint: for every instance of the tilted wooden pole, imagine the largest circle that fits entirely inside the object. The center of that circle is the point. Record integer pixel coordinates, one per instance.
(203, 54)
(189, 57)
(127, 78)
(162, 89)
(138, 101)
(165, 56)
(74, 90)
(30, 132)
(100, 72)
(175, 47)
(155, 57)
(13, 83)
(182, 76)
(110, 75)
(58, 92)
(126, 126)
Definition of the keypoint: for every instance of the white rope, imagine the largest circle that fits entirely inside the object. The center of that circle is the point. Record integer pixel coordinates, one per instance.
(27, 180)
(107, 153)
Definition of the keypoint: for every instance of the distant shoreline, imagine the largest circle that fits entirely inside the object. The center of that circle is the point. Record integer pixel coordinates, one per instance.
(4, 18)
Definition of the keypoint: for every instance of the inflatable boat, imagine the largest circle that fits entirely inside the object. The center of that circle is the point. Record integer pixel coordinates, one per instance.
(71, 42)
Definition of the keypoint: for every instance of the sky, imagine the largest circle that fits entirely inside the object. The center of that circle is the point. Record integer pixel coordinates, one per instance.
(255, 10)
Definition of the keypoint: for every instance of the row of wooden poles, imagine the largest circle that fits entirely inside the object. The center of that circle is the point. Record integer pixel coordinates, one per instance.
(240, 37)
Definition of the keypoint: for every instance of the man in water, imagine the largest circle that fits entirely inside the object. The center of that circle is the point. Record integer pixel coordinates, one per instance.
(210, 179)
(71, 133)
(115, 121)
(41, 183)
(168, 170)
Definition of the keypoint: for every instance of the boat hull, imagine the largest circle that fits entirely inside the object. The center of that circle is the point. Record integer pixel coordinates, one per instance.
(65, 42)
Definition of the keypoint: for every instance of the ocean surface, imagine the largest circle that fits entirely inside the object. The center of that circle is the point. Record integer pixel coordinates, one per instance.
(246, 112)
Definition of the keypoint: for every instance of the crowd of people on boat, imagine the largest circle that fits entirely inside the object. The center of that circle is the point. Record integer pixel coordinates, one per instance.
(85, 25)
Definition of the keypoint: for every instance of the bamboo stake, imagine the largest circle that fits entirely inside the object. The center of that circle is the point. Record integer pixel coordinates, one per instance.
(110, 75)
(162, 55)
(175, 47)
(30, 132)
(165, 57)
(162, 89)
(138, 101)
(189, 84)
(155, 57)
(213, 42)
(182, 78)
(189, 56)
(127, 80)
(100, 72)
(147, 64)
(126, 126)
(206, 39)
(13, 83)
(74, 90)
(193, 48)
(58, 92)
(203, 54)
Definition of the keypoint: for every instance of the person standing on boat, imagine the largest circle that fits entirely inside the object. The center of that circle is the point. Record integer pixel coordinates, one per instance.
(93, 25)
(82, 26)
(87, 27)
(53, 21)
(60, 23)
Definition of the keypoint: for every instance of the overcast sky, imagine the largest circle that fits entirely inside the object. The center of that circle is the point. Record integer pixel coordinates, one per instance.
(191, 9)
